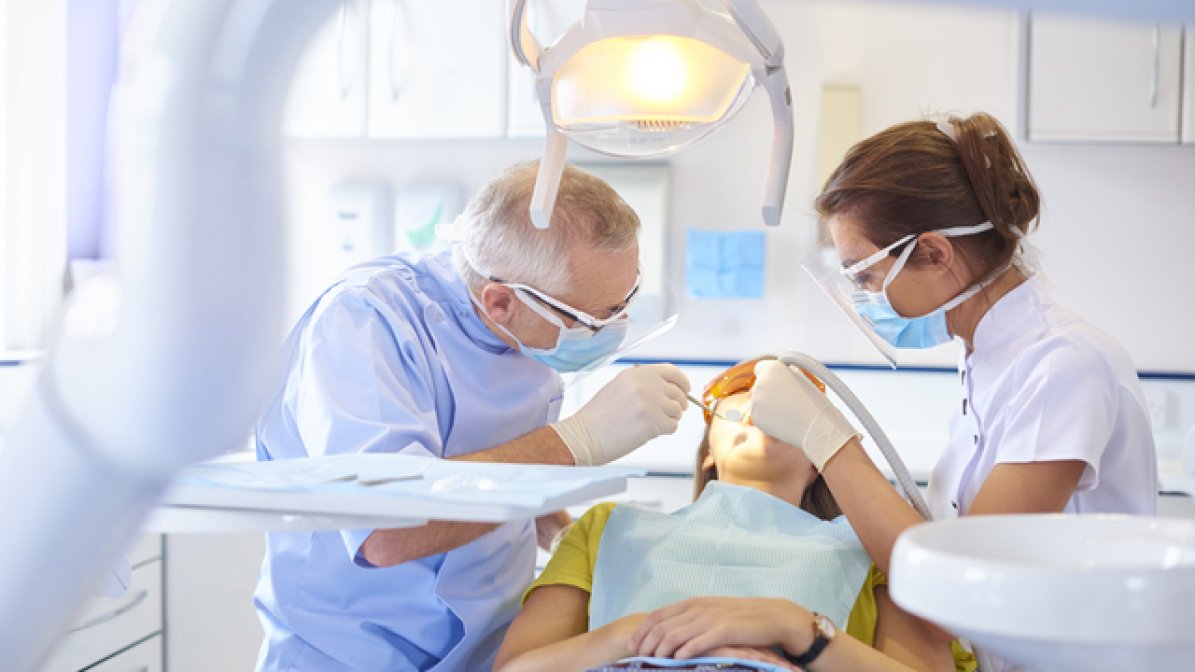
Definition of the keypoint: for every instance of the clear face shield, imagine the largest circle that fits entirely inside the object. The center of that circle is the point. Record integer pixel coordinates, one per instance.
(845, 289)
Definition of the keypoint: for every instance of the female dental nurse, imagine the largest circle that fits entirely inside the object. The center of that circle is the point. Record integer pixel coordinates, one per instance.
(927, 221)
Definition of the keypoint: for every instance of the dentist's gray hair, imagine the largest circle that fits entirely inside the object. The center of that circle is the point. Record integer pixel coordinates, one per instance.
(496, 236)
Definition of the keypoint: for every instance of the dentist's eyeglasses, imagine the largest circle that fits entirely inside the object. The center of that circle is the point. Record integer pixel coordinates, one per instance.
(577, 315)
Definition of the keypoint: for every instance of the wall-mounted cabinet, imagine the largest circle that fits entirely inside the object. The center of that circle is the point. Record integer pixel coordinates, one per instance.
(328, 96)
(437, 69)
(404, 69)
(1099, 80)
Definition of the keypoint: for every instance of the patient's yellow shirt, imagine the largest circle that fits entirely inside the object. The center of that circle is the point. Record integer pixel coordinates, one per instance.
(575, 559)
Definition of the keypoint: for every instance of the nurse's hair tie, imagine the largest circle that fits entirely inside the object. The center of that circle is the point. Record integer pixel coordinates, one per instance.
(947, 130)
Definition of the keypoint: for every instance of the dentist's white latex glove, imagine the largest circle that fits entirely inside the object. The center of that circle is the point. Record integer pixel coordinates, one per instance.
(640, 404)
(790, 408)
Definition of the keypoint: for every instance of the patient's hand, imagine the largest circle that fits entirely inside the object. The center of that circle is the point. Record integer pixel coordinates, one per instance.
(693, 627)
(549, 527)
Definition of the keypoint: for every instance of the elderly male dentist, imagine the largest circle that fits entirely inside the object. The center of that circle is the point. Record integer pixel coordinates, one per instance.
(455, 356)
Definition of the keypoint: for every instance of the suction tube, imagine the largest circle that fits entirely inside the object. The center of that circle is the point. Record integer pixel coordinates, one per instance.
(807, 363)
(816, 368)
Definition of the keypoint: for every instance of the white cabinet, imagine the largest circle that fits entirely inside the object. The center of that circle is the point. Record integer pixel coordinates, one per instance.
(437, 69)
(548, 20)
(403, 69)
(328, 94)
(108, 628)
(145, 657)
(1102, 80)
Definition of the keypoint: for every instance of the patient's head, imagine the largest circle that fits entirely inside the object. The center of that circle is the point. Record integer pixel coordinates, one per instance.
(739, 453)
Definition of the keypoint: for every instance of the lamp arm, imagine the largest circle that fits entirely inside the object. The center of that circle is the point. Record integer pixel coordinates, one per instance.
(755, 24)
(522, 41)
(775, 81)
(547, 182)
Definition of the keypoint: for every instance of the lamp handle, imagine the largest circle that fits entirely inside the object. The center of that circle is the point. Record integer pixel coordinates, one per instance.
(761, 32)
(522, 41)
(776, 83)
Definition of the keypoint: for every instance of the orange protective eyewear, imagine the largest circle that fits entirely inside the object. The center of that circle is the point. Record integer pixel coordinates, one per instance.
(739, 378)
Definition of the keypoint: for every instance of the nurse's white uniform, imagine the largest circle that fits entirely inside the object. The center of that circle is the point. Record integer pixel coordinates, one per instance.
(1043, 385)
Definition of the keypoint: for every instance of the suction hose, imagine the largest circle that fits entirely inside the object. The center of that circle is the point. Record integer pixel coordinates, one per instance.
(807, 363)
(832, 381)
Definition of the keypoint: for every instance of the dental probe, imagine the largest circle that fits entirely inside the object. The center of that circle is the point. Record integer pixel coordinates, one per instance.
(729, 416)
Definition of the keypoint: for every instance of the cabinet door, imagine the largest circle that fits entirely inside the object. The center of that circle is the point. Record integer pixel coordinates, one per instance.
(437, 69)
(1189, 85)
(328, 95)
(1101, 80)
(548, 20)
(107, 625)
(145, 657)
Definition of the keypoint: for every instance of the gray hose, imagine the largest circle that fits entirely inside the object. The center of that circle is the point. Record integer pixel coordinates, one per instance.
(985, 660)
(901, 472)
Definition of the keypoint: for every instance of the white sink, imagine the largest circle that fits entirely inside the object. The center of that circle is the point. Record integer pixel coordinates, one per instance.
(1056, 592)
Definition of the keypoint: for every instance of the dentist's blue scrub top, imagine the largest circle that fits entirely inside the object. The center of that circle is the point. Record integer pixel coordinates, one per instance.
(393, 359)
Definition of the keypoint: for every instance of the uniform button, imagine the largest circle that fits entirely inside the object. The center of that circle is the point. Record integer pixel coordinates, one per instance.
(977, 439)
(954, 504)
(964, 405)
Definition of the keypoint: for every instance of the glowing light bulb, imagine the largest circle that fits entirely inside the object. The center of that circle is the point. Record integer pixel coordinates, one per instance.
(657, 71)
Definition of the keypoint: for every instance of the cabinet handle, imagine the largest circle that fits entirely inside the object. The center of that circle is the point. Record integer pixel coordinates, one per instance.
(391, 49)
(341, 78)
(390, 37)
(1153, 83)
(136, 599)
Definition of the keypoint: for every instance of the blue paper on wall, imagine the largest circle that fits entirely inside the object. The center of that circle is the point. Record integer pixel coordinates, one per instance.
(724, 264)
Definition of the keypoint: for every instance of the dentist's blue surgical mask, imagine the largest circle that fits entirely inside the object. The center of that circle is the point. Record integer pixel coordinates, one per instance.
(576, 348)
(925, 331)
(588, 342)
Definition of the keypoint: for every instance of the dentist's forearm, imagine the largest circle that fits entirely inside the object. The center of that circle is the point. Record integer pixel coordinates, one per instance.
(386, 548)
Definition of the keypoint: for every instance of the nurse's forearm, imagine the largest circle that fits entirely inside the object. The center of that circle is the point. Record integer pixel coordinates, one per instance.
(386, 548)
(876, 511)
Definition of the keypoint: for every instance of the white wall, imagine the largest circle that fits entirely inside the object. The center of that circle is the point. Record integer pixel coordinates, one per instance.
(1114, 226)
(34, 178)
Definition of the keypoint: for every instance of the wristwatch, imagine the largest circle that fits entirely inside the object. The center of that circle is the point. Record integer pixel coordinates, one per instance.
(823, 633)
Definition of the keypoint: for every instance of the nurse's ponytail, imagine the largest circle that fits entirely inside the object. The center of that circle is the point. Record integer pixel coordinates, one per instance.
(1002, 185)
(924, 176)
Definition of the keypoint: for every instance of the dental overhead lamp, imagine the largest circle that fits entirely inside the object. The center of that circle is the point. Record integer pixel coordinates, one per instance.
(647, 78)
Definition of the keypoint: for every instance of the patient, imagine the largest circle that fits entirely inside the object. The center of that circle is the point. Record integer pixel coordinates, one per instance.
(738, 573)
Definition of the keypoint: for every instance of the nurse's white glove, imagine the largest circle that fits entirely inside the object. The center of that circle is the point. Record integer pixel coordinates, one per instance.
(790, 408)
(637, 406)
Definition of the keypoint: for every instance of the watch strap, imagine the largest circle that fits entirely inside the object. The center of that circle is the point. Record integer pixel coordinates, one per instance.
(820, 641)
